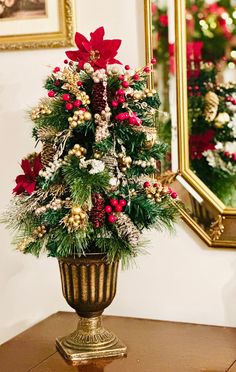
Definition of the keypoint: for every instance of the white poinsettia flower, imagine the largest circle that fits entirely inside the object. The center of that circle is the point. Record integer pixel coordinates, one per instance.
(210, 157)
(114, 181)
(232, 125)
(230, 147)
(221, 119)
(93, 165)
(219, 146)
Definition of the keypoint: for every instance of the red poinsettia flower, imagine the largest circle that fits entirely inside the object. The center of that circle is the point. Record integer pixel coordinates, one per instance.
(198, 143)
(97, 52)
(27, 181)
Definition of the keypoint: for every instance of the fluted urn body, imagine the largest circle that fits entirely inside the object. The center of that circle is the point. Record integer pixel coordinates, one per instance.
(89, 286)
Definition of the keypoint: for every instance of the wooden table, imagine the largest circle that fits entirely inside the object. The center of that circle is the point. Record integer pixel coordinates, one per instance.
(153, 346)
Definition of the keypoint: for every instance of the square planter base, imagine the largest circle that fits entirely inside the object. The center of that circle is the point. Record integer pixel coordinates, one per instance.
(117, 350)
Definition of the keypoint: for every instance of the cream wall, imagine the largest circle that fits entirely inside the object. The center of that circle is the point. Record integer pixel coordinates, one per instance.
(180, 279)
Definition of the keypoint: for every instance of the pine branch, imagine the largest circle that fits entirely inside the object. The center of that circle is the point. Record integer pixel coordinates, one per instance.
(82, 183)
(147, 213)
(57, 119)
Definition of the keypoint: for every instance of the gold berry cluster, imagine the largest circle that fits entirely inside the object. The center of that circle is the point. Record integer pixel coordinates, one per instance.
(97, 154)
(124, 162)
(149, 92)
(78, 151)
(77, 219)
(155, 191)
(40, 231)
(40, 110)
(141, 94)
(83, 97)
(79, 117)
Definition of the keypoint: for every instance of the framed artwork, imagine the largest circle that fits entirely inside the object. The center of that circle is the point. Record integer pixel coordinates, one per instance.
(33, 24)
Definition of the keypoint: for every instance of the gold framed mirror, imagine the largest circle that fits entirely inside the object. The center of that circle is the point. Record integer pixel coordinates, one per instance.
(209, 216)
(205, 211)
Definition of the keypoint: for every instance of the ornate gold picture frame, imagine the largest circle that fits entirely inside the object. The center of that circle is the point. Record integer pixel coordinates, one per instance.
(54, 28)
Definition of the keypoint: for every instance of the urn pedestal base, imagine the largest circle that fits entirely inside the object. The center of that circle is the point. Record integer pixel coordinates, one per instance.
(91, 340)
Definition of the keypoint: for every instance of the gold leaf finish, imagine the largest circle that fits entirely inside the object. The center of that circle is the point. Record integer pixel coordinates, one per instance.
(217, 228)
(89, 286)
(213, 236)
(59, 39)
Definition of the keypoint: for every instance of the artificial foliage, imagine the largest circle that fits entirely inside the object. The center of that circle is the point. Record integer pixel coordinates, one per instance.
(212, 124)
(213, 23)
(92, 186)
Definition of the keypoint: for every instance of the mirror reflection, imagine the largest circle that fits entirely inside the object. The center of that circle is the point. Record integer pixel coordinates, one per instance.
(211, 79)
(163, 53)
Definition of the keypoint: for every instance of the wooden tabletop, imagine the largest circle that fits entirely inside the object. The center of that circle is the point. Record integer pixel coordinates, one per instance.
(153, 346)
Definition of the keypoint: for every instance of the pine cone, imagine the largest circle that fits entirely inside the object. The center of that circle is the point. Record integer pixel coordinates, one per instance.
(99, 99)
(45, 134)
(97, 213)
(211, 106)
(47, 154)
(127, 230)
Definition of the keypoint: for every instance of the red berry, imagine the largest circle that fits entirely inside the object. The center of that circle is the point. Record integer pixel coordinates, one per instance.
(51, 93)
(120, 92)
(71, 63)
(157, 184)
(111, 218)
(120, 116)
(66, 97)
(127, 67)
(234, 157)
(153, 61)
(126, 115)
(147, 69)
(146, 184)
(114, 103)
(227, 154)
(77, 103)
(69, 106)
(113, 202)
(174, 195)
(136, 77)
(56, 83)
(132, 120)
(56, 69)
(118, 208)
(83, 109)
(125, 84)
(79, 83)
(65, 61)
(123, 202)
(121, 77)
(121, 100)
(108, 209)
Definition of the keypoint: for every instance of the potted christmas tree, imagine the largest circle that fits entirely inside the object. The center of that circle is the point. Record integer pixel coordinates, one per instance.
(90, 192)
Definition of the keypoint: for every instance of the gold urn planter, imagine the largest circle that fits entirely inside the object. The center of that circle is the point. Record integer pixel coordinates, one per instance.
(89, 286)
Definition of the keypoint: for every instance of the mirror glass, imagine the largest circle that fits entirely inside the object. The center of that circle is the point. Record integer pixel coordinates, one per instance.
(163, 75)
(194, 42)
(211, 84)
